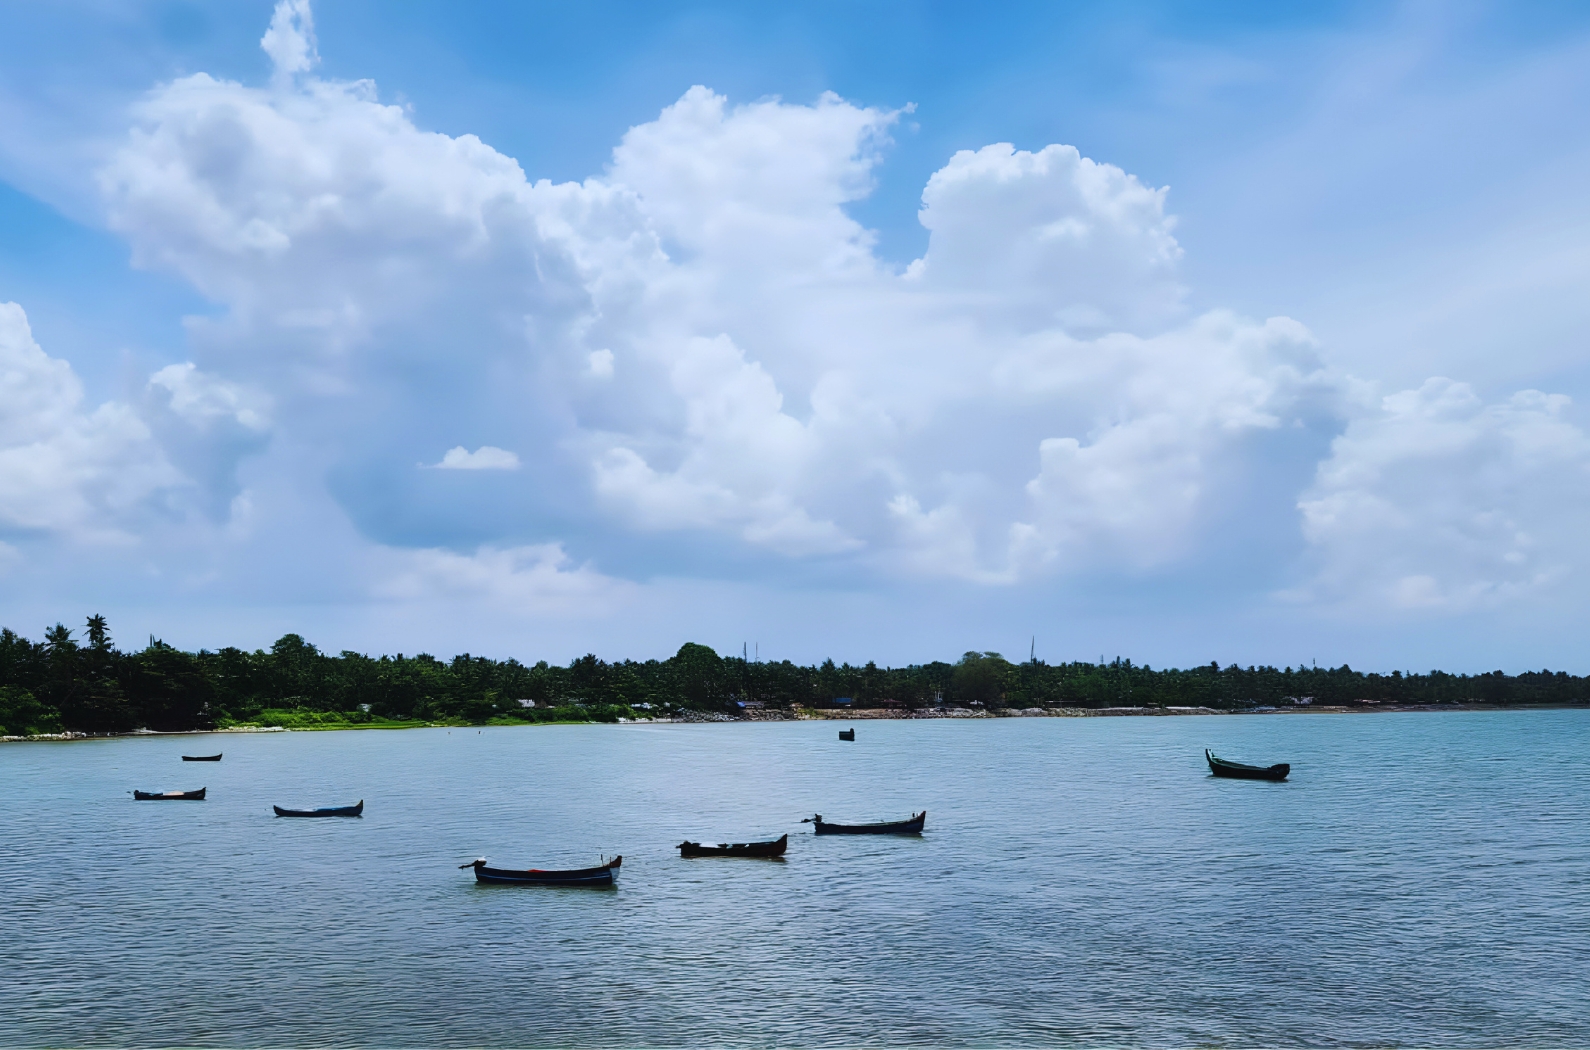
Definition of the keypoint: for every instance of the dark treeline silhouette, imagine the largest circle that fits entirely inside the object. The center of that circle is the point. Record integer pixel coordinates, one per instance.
(89, 685)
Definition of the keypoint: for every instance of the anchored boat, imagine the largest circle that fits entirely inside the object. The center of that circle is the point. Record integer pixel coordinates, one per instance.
(897, 827)
(329, 811)
(768, 850)
(599, 876)
(169, 796)
(201, 758)
(847, 734)
(1242, 771)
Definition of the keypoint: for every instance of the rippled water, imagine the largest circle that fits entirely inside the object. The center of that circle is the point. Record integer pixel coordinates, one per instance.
(1421, 880)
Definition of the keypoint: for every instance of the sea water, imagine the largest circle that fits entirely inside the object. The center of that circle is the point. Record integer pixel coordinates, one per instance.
(1420, 880)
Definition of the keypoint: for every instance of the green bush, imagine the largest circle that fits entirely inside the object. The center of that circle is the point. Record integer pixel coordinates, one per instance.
(21, 714)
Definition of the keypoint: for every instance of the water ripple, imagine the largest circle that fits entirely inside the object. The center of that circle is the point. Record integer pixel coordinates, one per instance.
(1419, 881)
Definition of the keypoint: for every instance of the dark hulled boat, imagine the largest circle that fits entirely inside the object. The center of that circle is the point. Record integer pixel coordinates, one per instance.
(847, 734)
(769, 850)
(329, 811)
(1242, 771)
(896, 827)
(600, 876)
(201, 758)
(169, 796)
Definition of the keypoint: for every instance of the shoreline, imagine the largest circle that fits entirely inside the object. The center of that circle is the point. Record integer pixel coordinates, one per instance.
(865, 714)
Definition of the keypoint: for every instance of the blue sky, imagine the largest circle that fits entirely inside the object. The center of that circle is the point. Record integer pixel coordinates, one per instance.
(608, 327)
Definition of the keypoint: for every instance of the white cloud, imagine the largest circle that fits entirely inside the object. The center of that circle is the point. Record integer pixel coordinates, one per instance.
(1050, 239)
(1030, 397)
(1440, 501)
(290, 40)
(530, 579)
(65, 468)
(779, 385)
(203, 399)
(486, 457)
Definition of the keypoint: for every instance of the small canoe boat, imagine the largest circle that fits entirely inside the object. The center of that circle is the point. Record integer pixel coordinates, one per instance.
(769, 850)
(896, 827)
(599, 876)
(847, 734)
(1242, 771)
(169, 796)
(201, 758)
(329, 811)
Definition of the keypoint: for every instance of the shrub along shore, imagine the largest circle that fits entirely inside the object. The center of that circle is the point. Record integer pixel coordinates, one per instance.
(71, 684)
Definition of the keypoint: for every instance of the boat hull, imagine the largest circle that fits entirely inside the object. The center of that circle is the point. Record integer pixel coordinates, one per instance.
(847, 734)
(597, 878)
(898, 827)
(765, 850)
(170, 796)
(202, 758)
(330, 811)
(1242, 771)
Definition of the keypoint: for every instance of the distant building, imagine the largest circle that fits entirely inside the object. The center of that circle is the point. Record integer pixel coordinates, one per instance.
(841, 701)
(525, 703)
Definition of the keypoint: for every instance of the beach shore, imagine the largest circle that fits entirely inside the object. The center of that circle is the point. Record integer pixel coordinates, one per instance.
(826, 714)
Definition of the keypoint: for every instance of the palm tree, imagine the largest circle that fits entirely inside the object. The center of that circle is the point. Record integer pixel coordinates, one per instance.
(98, 633)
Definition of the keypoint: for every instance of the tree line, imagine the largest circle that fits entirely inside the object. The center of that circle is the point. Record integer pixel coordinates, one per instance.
(87, 684)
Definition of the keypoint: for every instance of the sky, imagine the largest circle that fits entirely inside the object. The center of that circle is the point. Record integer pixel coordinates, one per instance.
(1176, 332)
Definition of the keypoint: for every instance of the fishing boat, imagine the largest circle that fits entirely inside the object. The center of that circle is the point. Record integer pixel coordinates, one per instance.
(599, 876)
(329, 811)
(201, 758)
(768, 850)
(1242, 771)
(895, 827)
(847, 734)
(169, 796)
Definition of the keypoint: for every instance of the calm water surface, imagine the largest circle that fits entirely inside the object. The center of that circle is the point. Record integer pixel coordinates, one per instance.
(1421, 880)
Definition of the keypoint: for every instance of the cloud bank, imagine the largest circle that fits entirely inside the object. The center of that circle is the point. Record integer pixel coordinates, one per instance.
(698, 355)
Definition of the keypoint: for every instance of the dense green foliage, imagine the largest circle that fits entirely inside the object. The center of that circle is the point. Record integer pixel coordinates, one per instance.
(62, 683)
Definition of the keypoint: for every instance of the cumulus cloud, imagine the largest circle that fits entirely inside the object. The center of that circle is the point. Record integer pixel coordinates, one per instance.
(290, 40)
(1441, 501)
(1050, 239)
(532, 579)
(486, 457)
(701, 340)
(64, 467)
(1025, 397)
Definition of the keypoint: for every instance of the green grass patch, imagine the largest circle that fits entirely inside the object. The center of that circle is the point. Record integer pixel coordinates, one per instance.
(280, 718)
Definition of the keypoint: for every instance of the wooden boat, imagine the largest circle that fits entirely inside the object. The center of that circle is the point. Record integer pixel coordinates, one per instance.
(769, 850)
(329, 811)
(847, 734)
(599, 876)
(169, 796)
(1242, 771)
(896, 827)
(201, 758)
